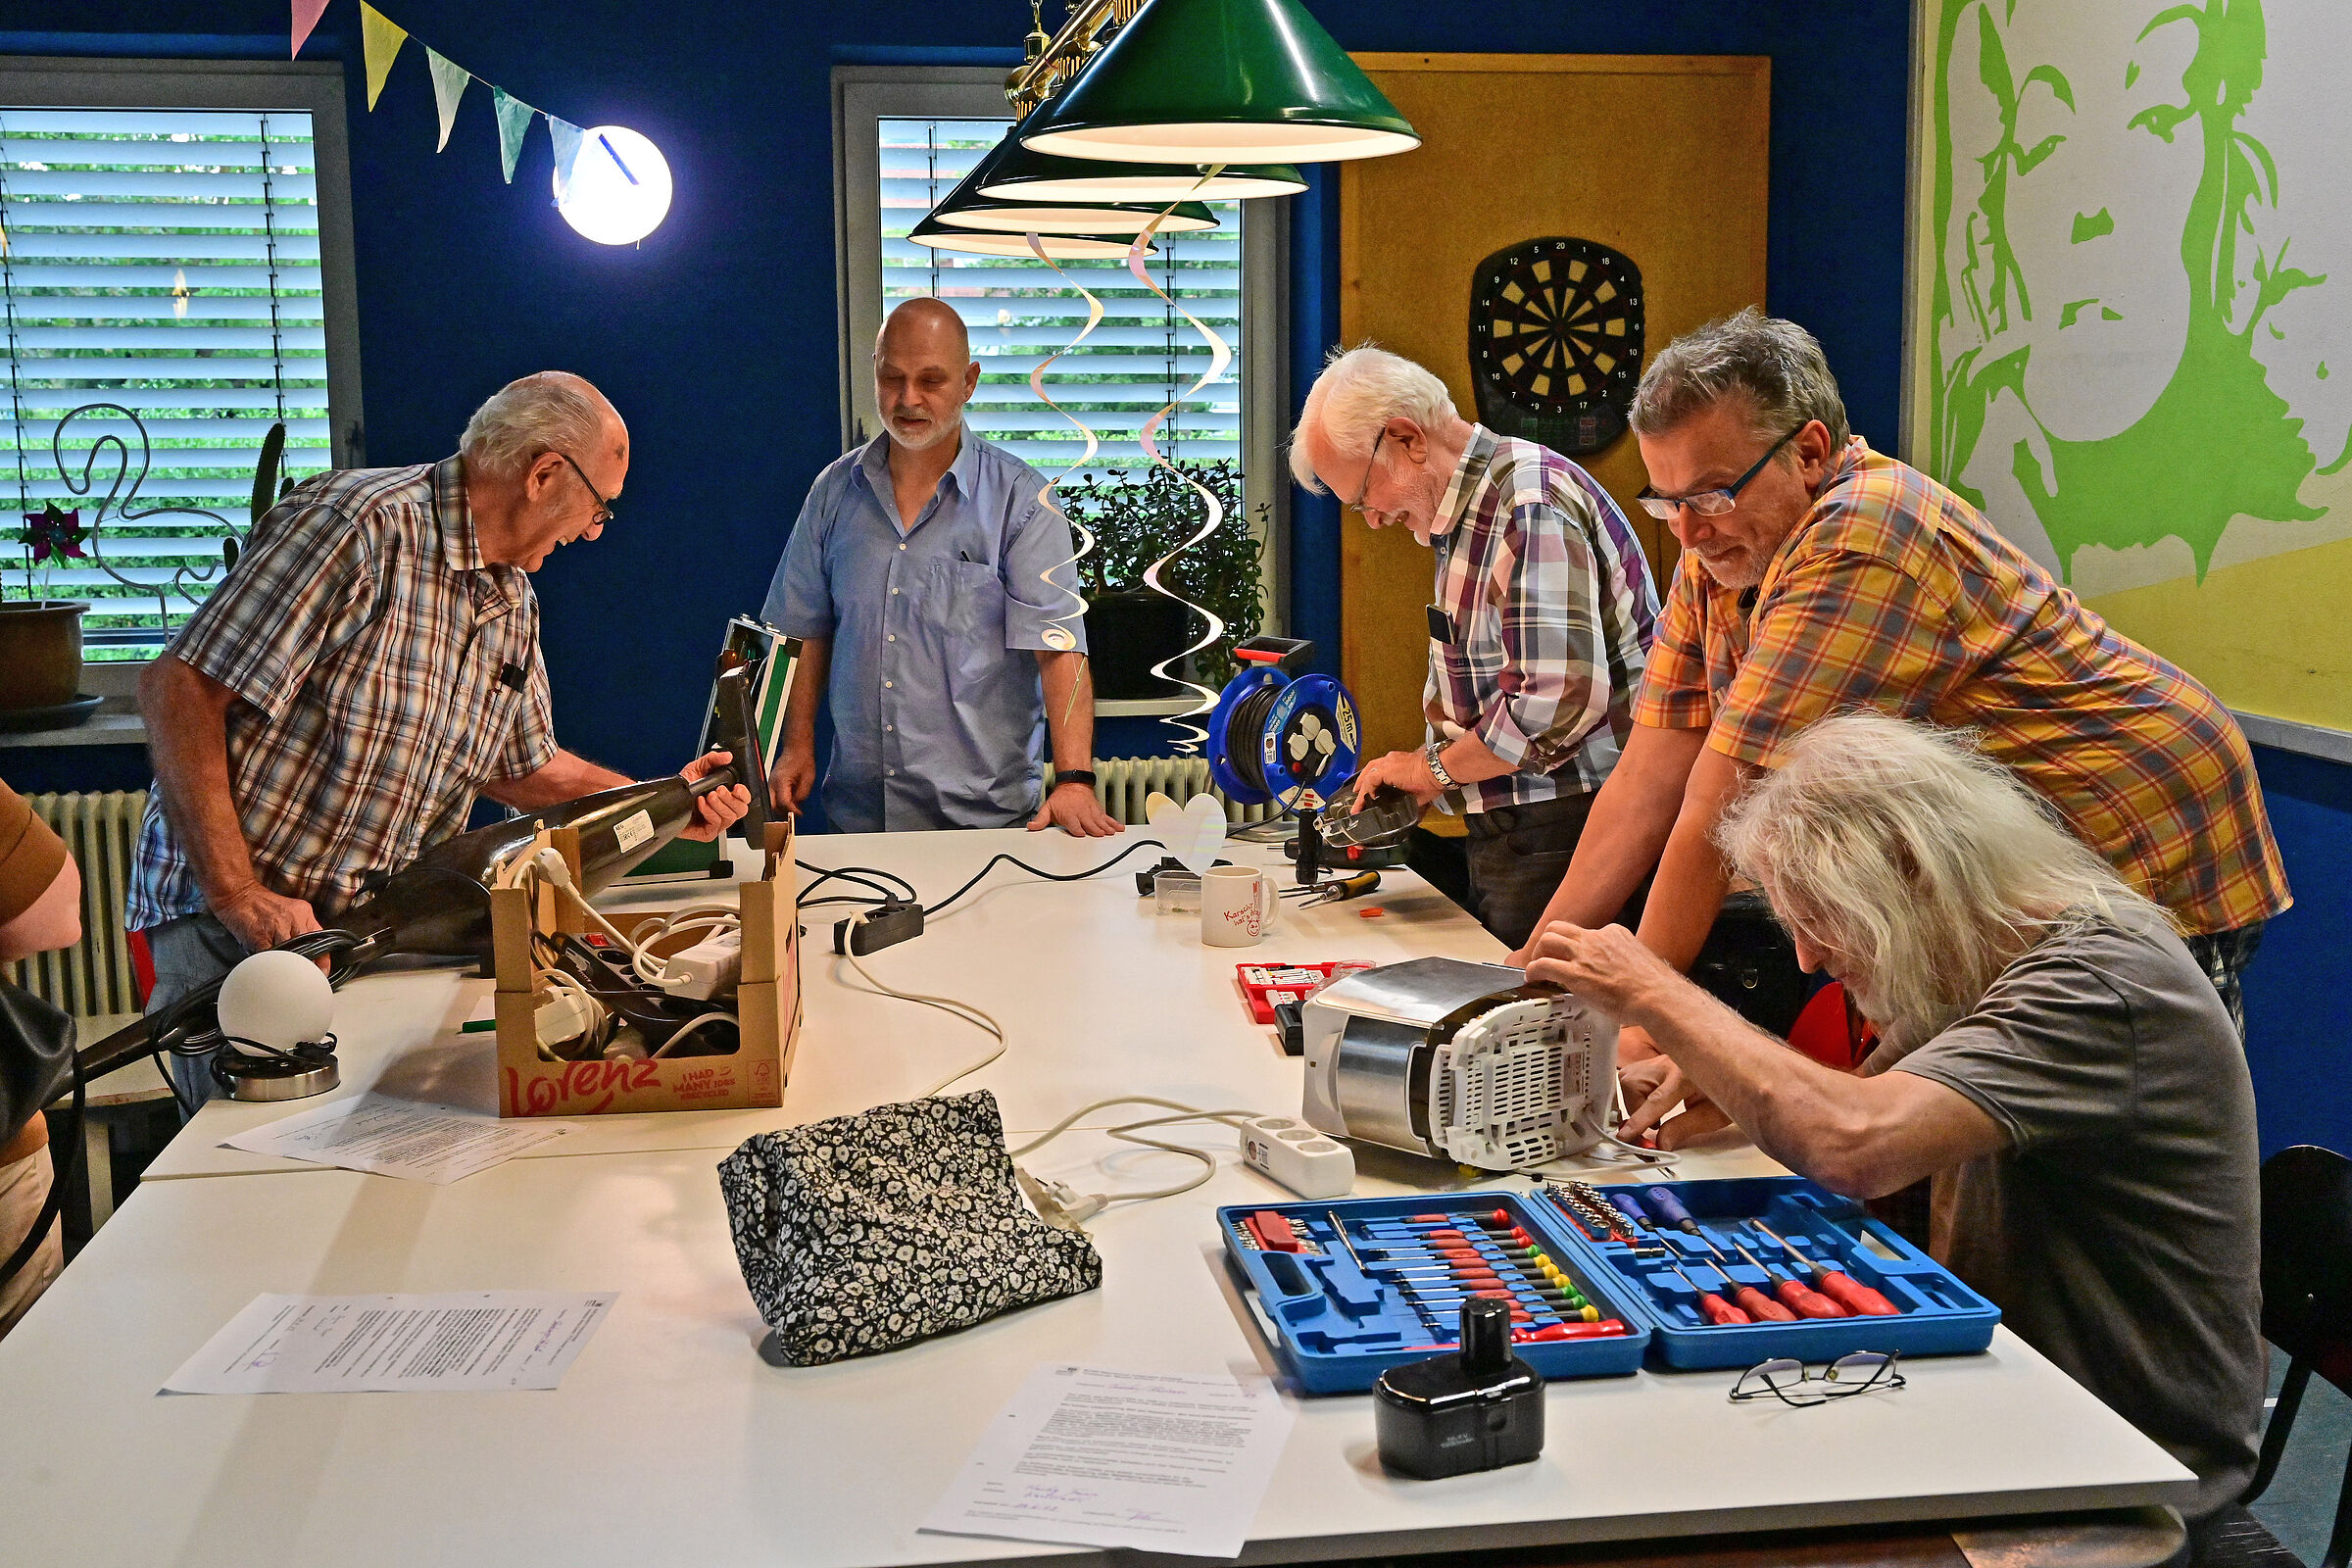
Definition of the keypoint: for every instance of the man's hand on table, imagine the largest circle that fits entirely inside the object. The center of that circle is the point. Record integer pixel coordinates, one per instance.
(1073, 809)
(261, 918)
(722, 808)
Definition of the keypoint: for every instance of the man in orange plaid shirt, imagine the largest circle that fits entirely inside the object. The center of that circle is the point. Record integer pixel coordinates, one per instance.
(1818, 575)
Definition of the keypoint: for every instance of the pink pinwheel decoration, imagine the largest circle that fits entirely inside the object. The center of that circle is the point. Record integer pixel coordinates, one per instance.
(52, 534)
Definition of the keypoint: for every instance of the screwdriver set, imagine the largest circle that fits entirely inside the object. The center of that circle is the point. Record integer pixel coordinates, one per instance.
(1734, 1272)
(1349, 1288)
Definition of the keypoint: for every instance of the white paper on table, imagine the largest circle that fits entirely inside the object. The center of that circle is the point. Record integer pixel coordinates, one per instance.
(1163, 1461)
(456, 1342)
(397, 1138)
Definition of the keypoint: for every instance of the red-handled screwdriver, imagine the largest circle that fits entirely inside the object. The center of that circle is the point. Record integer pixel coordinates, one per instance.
(1716, 1309)
(1805, 1300)
(1839, 1287)
(1760, 1306)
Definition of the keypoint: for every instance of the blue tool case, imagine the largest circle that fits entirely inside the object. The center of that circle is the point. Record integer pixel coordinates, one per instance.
(1736, 1222)
(1351, 1287)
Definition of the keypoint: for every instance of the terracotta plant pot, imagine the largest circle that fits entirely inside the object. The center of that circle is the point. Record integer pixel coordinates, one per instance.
(40, 652)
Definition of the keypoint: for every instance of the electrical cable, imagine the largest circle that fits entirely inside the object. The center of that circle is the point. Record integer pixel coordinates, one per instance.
(963, 1011)
(864, 874)
(931, 910)
(1247, 724)
(1078, 1207)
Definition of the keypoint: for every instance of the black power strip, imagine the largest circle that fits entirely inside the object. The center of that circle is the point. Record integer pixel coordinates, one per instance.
(886, 925)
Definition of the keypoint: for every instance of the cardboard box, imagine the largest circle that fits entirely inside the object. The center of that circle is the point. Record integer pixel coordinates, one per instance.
(767, 1005)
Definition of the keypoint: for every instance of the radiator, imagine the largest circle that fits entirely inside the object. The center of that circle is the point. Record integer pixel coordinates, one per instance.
(92, 978)
(1124, 783)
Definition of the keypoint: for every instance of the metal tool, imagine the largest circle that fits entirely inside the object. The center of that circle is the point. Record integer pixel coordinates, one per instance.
(1837, 1285)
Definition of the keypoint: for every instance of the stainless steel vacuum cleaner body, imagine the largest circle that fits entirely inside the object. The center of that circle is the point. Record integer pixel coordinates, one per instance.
(1461, 1061)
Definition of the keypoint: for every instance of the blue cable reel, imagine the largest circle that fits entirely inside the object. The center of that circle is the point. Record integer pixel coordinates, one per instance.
(1289, 739)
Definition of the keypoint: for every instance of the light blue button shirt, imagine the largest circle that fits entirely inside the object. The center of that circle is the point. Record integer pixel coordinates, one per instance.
(938, 715)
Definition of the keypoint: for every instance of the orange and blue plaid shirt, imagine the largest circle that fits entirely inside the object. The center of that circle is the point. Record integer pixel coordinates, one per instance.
(1894, 593)
(1549, 603)
(384, 673)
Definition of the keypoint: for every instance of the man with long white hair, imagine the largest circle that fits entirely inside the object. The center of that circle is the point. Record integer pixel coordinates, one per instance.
(1537, 631)
(369, 665)
(2050, 1053)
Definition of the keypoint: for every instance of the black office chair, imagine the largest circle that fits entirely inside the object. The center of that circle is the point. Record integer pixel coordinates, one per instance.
(2306, 1305)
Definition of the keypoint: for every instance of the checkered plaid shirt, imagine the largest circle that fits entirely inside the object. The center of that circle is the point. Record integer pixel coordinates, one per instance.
(1552, 605)
(1894, 593)
(365, 639)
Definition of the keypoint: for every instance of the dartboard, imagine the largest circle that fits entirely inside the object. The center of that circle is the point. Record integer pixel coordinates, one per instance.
(1556, 341)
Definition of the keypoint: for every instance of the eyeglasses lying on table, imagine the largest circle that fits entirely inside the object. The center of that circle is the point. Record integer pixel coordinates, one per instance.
(1785, 1379)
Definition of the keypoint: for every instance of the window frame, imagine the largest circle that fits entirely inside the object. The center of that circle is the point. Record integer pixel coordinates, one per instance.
(313, 87)
(863, 94)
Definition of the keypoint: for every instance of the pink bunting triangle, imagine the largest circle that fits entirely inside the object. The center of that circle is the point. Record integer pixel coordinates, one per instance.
(305, 17)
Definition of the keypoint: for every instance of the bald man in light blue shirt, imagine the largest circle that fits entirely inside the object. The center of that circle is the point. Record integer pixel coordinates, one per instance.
(938, 614)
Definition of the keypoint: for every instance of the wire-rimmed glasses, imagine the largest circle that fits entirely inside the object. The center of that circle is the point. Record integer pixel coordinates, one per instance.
(1785, 1378)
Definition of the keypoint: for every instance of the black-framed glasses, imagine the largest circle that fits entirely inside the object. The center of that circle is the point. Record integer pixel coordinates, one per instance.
(1710, 503)
(1363, 490)
(1785, 1378)
(604, 507)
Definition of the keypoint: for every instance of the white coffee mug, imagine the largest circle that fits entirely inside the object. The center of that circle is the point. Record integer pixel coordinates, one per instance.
(1236, 906)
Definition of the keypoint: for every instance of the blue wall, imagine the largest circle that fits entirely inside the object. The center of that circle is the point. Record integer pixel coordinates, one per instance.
(715, 337)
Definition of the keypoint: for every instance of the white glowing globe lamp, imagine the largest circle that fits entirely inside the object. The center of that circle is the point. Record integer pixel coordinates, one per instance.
(618, 188)
(278, 999)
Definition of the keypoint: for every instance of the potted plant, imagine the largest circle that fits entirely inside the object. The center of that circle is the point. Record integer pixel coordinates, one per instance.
(1137, 517)
(40, 638)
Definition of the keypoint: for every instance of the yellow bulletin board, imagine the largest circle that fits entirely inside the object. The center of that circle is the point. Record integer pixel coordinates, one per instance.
(1661, 157)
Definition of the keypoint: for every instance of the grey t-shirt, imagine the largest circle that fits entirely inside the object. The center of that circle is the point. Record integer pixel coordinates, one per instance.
(2119, 1232)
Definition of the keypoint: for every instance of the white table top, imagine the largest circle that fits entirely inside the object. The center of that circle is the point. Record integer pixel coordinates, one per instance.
(1101, 996)
(671, 1441)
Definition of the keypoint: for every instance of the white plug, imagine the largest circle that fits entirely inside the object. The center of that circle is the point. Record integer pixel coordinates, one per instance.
(1299, 1156)
(711, 966)
(564, 1017)
(1058, 1203)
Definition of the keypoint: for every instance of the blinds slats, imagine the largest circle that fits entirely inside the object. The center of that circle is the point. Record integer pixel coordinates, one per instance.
(165, 261)
(1021, 312)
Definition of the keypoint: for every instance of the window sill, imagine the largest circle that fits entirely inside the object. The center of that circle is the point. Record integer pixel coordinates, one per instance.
(1144, 706)
(117, 721)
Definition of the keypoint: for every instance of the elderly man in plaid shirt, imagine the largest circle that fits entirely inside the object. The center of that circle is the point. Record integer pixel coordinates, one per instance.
(371, 665)
(1817, 575)
(1543, 611)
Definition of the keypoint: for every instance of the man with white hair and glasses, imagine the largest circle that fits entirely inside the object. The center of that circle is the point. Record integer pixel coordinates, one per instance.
(1817, 575)
(369, 665)
(1543, 609)
(2050, 1053)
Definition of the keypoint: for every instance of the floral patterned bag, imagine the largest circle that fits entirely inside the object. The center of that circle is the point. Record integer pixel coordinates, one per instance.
(868, 1232)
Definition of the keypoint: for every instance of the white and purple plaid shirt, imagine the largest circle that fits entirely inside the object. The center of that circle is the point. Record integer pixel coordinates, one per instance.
(384, 673)
(1552, 610)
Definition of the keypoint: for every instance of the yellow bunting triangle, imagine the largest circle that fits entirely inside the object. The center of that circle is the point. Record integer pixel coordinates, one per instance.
(381, 38)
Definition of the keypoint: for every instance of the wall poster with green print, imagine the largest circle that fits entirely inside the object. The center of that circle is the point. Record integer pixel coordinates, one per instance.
(2130, 275)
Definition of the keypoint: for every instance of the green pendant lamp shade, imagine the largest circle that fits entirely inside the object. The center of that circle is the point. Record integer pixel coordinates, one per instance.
(1221, 82)
(965, 208)
(1061, 247)
(1028, 176)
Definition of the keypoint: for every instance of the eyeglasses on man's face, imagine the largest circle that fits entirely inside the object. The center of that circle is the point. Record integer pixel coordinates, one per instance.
(1710, 503)
(1785, 1378)
(1370, 463)
(604, 507)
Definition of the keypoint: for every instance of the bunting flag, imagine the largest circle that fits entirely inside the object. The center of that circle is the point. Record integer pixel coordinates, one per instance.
(380, 38)
(305, 17)
(568, 148)
(449, 85)
(514, 123)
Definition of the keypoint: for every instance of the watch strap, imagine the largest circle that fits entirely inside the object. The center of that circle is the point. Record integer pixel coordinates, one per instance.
(1437, 766)
(1074, 775)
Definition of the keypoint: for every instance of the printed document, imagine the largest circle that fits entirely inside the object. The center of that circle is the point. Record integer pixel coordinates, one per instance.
(1162, 1461)
(458, 1341)
(398, 1138)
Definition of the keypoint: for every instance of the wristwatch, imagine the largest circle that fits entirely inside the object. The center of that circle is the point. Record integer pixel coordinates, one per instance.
(1437, 766)
(1075, 775)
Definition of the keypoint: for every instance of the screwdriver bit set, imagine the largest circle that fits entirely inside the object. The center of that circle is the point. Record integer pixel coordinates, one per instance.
(1734, 1272)
(1689, 1274)
(1349, 1288)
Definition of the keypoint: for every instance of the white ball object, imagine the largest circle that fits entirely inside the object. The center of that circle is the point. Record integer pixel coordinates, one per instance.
(618, 188)
(278, 998)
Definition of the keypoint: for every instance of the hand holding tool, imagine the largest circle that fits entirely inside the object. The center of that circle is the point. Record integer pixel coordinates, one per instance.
(1670, 1209)
(1837, 1285)
(1714, 1307)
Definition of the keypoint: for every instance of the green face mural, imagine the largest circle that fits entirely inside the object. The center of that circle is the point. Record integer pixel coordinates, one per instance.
(2101, 275)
